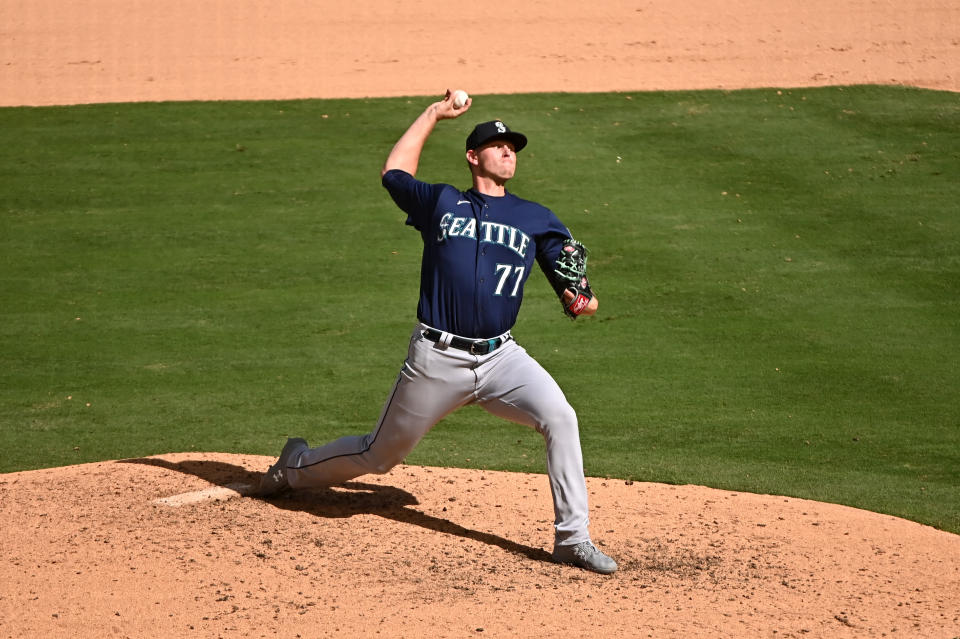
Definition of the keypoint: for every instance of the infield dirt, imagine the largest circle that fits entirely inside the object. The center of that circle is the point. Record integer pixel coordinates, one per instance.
(88, 550)
(79, 51)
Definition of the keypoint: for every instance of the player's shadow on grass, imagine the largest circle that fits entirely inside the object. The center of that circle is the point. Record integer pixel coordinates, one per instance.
(350, 499)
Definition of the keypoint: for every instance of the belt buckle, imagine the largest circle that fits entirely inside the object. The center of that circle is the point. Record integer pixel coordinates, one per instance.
(488, 346)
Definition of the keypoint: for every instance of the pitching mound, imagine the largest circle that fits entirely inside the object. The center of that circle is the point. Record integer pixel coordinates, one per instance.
(164, 546)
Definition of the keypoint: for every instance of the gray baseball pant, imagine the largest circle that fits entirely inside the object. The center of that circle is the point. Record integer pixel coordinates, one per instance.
(436, 380)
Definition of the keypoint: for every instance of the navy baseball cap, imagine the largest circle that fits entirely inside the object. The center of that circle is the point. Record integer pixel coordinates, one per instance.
(494, 130)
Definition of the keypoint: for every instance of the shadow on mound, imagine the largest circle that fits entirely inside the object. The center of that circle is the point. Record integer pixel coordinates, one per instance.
(350, 499)
(214, 472)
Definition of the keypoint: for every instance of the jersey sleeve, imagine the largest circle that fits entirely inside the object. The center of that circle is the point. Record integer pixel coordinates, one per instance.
(549, 245)
(415, 198)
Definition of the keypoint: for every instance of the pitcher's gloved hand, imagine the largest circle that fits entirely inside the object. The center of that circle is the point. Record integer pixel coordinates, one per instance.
(571, 281)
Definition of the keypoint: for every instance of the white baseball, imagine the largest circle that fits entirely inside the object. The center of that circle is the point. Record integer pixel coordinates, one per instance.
(459, 98)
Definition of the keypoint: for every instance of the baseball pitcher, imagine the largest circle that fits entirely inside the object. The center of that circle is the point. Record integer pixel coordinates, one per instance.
(479, 248)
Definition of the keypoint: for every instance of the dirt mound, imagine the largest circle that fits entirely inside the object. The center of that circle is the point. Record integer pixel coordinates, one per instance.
(160, 547)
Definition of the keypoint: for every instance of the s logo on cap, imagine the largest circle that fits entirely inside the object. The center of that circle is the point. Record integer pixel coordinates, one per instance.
(494, 130)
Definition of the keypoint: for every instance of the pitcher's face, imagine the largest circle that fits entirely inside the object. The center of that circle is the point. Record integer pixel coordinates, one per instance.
(496, 159)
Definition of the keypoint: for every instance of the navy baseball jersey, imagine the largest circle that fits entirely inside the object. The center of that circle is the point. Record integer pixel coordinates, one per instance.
(478, 252)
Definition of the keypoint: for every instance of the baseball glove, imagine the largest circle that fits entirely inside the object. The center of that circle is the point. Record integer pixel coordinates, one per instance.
(570, 274)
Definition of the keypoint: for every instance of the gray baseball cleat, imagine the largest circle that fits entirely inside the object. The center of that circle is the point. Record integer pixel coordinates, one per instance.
(584, 555)
(275, 479)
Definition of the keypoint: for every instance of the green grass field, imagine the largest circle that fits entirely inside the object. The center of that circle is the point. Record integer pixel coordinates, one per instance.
(779, 275)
